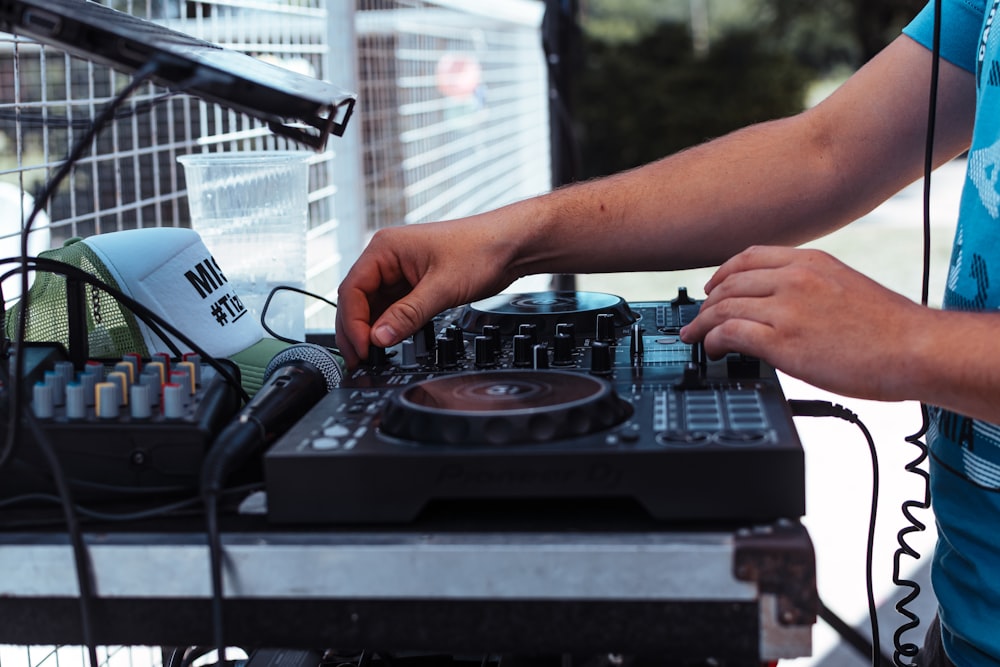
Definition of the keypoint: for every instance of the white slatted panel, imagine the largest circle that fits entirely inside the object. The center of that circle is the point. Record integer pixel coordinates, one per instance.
(441, 146)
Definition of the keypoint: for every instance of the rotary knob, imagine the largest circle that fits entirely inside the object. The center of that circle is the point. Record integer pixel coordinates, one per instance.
(606, 328)
(408, 355)
(567, 329)
(529, 330)
(540, 356)
(376, 356)
(562, 350)
(600, 358)
(456, 335)
(522, 351)
(492, 332)
(446, 351)
(485, 353)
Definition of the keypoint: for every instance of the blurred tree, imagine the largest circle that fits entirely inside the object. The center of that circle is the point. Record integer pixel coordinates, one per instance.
(638, 101)
(836, 31)
(644, 90)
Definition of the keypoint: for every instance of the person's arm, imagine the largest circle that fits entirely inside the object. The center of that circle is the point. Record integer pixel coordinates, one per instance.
(781, 182)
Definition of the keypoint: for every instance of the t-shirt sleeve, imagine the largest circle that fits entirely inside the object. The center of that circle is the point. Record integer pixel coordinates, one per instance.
(961, 25)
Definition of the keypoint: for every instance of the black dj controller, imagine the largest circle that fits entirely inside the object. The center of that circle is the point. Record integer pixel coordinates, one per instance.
(550, 396)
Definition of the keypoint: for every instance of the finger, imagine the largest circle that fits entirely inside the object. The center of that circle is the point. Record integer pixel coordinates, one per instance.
(745, 336)
(400, 320)
(744, 324)
(735, 325)
(376, 279)
(740, 296)
(356, 297)
(751, 283)
(754, 257)
(352, 328)
(412, 311)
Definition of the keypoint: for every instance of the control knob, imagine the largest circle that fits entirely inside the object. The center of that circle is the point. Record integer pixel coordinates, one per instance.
(600, 358)
(606, 328)
(522, 351)
(446, 351)
(485, 353)
(562, 350)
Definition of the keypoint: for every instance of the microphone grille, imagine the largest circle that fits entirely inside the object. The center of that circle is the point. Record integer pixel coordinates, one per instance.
(317, 355)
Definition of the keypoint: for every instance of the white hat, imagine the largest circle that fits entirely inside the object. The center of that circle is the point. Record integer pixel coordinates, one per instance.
(169, 271)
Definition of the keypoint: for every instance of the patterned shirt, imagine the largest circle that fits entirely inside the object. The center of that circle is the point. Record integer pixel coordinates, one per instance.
(965, 453)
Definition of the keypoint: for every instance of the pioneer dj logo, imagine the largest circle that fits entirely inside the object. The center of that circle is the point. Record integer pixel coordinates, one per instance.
(504, 390)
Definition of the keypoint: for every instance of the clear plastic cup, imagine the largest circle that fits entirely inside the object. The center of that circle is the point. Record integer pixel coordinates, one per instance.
(251, 209)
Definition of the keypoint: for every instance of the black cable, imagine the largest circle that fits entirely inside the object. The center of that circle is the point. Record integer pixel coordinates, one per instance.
(81, 556)
(168, 509)
(76, 152)
(193, 653)
(148, 316)
(106, 114)
(827, 409)
(80, 553)
(929, 149)
(904, 649)
(850, 635)
(216, 555)
(909, 649)
(60, 121)
(79, 274)
(210, 501)
(15, 398)
(267, 304)
(175, 658)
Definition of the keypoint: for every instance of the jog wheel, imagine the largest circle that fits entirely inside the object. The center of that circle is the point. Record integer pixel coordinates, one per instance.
(545, 310)
(500, 408)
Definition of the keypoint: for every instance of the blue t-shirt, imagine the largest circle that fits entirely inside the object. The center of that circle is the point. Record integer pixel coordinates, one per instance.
(965, 453)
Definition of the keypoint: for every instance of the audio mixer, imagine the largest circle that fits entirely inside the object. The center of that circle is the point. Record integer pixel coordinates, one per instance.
(568, 396)
(121, 428)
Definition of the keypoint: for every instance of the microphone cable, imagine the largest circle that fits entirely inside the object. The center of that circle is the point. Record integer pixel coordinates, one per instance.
(802, 408)
(16, 409)
(908, 649)
(81, 555)
(296, 379)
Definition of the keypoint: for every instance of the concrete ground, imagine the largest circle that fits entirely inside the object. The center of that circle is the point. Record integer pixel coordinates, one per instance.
(887, 246)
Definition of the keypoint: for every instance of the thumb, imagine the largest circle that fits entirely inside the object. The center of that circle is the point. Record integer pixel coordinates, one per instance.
(404, 318)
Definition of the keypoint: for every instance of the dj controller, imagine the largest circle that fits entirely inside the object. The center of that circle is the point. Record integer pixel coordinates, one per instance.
(549, 396)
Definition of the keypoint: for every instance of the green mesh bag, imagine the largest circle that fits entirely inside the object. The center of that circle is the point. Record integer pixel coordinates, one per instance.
(112, 329)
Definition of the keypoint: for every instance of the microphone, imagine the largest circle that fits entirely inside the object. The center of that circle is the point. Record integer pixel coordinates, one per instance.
(294, 381)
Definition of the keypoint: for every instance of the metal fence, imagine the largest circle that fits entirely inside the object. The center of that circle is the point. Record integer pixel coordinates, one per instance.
(130, 177)
(452, 118)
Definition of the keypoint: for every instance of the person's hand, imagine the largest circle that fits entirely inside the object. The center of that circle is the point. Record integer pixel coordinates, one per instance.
(409, 274)
(809, 315)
